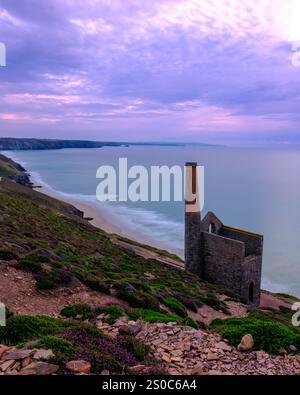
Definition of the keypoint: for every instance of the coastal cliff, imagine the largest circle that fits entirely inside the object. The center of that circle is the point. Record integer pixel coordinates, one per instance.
(7, 143)
(13, 171)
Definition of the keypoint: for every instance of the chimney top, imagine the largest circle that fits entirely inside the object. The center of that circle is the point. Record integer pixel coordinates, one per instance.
(192, 164)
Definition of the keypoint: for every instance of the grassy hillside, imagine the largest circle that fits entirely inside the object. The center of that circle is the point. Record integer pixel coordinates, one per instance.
(45, 237)
(8, 167)
(57, 248)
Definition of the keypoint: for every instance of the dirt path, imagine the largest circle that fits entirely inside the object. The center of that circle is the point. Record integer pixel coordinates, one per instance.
(18, 292)
(272, 302)
(147, 254)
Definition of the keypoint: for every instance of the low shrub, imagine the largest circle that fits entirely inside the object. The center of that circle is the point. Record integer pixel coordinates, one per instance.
(152, 316)
(32, 263)
(44, 282)
(57, 345)
(83, 310)
(176, 306)
(189, 302)
(139, 349)
(61, 277)
(113, 311)
(21, 328)
(101, 351)
(136, 297)
(7, 255)
(214, 303)
(188, 321)
(95, 284)
(269, 336)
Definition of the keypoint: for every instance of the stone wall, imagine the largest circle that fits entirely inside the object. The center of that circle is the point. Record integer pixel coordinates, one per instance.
(211, 220)
(223, 260)
(253, 242)
(251, 273)
(223, 255)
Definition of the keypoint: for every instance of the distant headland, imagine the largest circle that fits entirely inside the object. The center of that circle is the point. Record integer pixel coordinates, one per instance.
(13, 143)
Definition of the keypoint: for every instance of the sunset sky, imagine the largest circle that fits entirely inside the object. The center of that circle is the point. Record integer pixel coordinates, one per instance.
(151, 70)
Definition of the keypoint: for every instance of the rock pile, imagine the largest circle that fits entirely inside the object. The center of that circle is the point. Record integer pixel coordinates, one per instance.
(15, 361)
(181, 350)
(184, 350)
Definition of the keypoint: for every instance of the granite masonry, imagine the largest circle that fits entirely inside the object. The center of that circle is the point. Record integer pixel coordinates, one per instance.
(218, 253)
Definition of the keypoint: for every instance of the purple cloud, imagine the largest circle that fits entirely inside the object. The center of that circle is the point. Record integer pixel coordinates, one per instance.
(151, 70)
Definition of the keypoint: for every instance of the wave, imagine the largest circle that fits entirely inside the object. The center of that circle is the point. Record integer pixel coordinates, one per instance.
(147, 226)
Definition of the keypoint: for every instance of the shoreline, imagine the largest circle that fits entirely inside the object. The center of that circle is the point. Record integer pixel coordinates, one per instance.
(96, 215)
(108, 222)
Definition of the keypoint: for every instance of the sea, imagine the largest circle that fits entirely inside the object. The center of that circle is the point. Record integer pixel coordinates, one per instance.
(249, 188)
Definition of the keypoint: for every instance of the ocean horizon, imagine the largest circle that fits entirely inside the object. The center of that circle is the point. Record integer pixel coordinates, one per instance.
(253, 189)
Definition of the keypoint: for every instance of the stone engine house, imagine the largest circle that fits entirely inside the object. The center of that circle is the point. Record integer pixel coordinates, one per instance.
(218, 253)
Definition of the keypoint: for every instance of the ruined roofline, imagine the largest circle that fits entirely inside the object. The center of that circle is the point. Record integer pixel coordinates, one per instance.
(246, 232)
(225, 238)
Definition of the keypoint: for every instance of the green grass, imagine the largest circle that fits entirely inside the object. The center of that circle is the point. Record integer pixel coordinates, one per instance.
(20, 328)
(113, 312)
(153, 316)
(176, 306)
(7, 167)
(52, 242)
(56, 344)
(288, 297)
(7, 255)
(82, 310)
(268, 335)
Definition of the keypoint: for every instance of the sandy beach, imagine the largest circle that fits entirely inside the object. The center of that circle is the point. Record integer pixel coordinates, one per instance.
(101, 217)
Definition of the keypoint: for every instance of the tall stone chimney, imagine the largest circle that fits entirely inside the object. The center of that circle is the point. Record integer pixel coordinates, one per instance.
(192, 220)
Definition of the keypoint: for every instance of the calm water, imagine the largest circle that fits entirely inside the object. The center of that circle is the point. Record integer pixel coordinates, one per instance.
(255, 189)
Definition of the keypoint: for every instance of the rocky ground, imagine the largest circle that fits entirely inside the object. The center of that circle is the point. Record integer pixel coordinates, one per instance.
(50, 258)
(181, 350)
(184, 350)
(25, 362)
(17, 290)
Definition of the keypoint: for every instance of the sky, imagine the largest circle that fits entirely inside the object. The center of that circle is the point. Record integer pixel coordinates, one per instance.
(152, 70)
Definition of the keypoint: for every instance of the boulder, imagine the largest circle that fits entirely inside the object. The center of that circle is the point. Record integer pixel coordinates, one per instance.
(214, 372)
(246, 343)
(136, 327)
(282, 351)
(124, 330)
(132, 328)
(3, 349)
(198, 372)
(40, 369)
(223, 346)
(27, 372)
(43, 354)
(79, 366)
(212, 356)
(17, 354)
(7, 365)
(138, 368)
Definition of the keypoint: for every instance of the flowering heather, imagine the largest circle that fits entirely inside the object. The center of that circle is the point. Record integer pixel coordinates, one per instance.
(98, 348)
